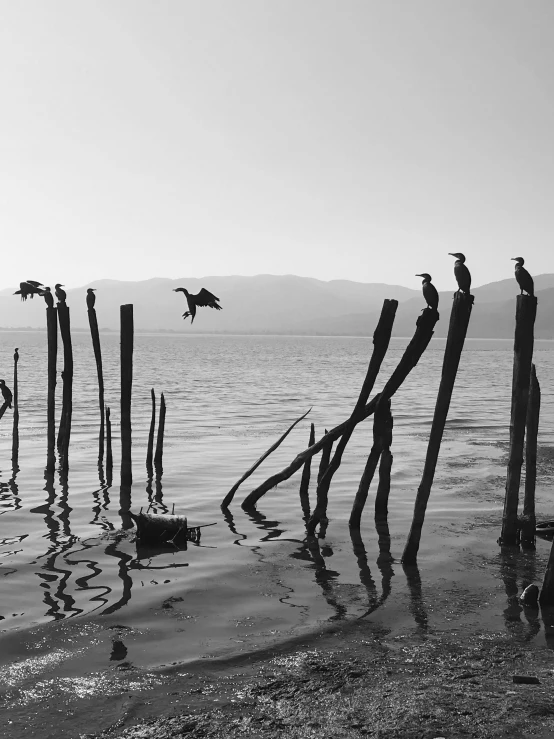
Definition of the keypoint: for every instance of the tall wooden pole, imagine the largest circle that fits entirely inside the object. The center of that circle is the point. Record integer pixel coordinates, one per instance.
(528, 521)
(95, 335)
(158, 456)
(64, 433)
(150, 447)
(305, 479)
(52, 332)
(15, 403)
(457, 330)
(127, 341)
(526, 311)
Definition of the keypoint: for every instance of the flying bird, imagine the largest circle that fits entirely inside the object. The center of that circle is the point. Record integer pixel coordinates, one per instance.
(429, 291)
(91, 298)
(201, 299)
(524, 279)
(60, 294)
(48, 297)
(461, 273)
(29, 289)
(7, 393)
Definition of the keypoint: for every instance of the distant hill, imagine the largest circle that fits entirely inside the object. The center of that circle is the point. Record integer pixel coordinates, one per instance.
(284, 304)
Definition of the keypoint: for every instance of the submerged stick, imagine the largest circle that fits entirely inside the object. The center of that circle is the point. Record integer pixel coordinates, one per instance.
(15, 402)
(424, 331)
(457, 330)
(528, 520)
(230, 495)
(64, 432)
(381, 340)
(127, 340)
(158, 457)
(526, 311)
(305, 479)
(95, 335)
(52, 331)
(150, 447)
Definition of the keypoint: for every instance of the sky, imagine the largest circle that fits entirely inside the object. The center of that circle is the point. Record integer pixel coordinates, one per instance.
(337, 139)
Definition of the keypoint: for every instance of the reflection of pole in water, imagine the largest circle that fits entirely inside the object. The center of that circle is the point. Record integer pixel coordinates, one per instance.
(365, 573)
(123, 574)
(516, 566)
(230, 521)
(324, 578)
(417, 606)
(125, 506)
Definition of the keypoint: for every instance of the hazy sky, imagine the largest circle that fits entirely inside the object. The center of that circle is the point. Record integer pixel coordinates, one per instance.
(335, 139)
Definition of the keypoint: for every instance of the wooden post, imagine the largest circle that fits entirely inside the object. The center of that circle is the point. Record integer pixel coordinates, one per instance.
(305, 479)
(64, 433)
(127, 335)
(457, 330)
(380, 433)
(95, 335)
(420, 341)
(528, 520)
(150, 447)
(526, 311)
(15, 403)
(381, 340)
(325, 458)
(52, 331)
(385, 467)
(158, 457)
(109, 455)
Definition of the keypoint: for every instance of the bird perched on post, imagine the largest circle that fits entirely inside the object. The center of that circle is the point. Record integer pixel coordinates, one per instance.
(48, 297)
(201, 299)
(7, 393)
(524, 279)
(429, 291)
(29, 289)
(16, 355)
(91, 298)
(60, 294)
(461, 273)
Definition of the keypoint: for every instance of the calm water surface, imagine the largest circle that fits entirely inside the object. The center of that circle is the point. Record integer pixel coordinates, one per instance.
(71, 575)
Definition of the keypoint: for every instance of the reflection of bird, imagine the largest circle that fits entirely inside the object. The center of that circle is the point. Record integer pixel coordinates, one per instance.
(524, 279)
(60, 294)
(461, 273)
(7, 393)
(200, 300)
(429, 291)
(29, 289)
(48, 297)
(91, 298)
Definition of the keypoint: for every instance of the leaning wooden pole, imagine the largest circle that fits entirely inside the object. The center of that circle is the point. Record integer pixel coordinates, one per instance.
(127, 342)
(457, 330)
(420, 341)
(52, 334)
(305, 479)
(64, 433)
(381, 340)
(150, 447)
(95, 335)
(528, 521)
(526, 311)
(15, 404)
(158, 456)
(385, 468)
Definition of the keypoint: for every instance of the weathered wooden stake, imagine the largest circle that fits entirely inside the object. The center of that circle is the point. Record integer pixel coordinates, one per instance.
(150, 447)
(381, 340)
(305, 479)
(457, 330)
(15, 404)
(528, 520)
(385, 467)
(127, 342)
(95, 335)
(64, 432)
(52, 332)
(158, 456)
(423, 334)
(109, 455)
(526, 311)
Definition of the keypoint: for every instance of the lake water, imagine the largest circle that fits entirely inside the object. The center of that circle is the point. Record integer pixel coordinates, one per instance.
(76, 594)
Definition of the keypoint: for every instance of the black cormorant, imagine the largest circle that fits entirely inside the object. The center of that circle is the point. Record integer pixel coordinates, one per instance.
(16, 354)
(91, 298)
(461, 273)
(429, 291)
(524, 279)
(203, 298)
(60, 294)
(6, 392)
(29, 289)
(48, 297)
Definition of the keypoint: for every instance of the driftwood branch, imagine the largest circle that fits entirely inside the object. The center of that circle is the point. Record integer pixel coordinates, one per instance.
(422, 336)
(230, 495)
(305, 479)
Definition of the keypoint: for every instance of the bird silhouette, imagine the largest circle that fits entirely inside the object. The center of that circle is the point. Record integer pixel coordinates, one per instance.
(29, 289)
(48, 297)
(7, 393)
(461, 273)
(200, 300)
(429, 291)
(91, 298)
(524, 279)
(60, 294)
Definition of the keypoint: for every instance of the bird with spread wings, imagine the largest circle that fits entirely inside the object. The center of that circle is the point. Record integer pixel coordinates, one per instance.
(200, 300)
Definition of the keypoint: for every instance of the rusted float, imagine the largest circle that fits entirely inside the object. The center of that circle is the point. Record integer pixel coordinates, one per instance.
(161, 529)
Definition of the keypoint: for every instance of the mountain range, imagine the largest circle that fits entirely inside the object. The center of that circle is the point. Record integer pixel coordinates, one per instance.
(283, 304)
